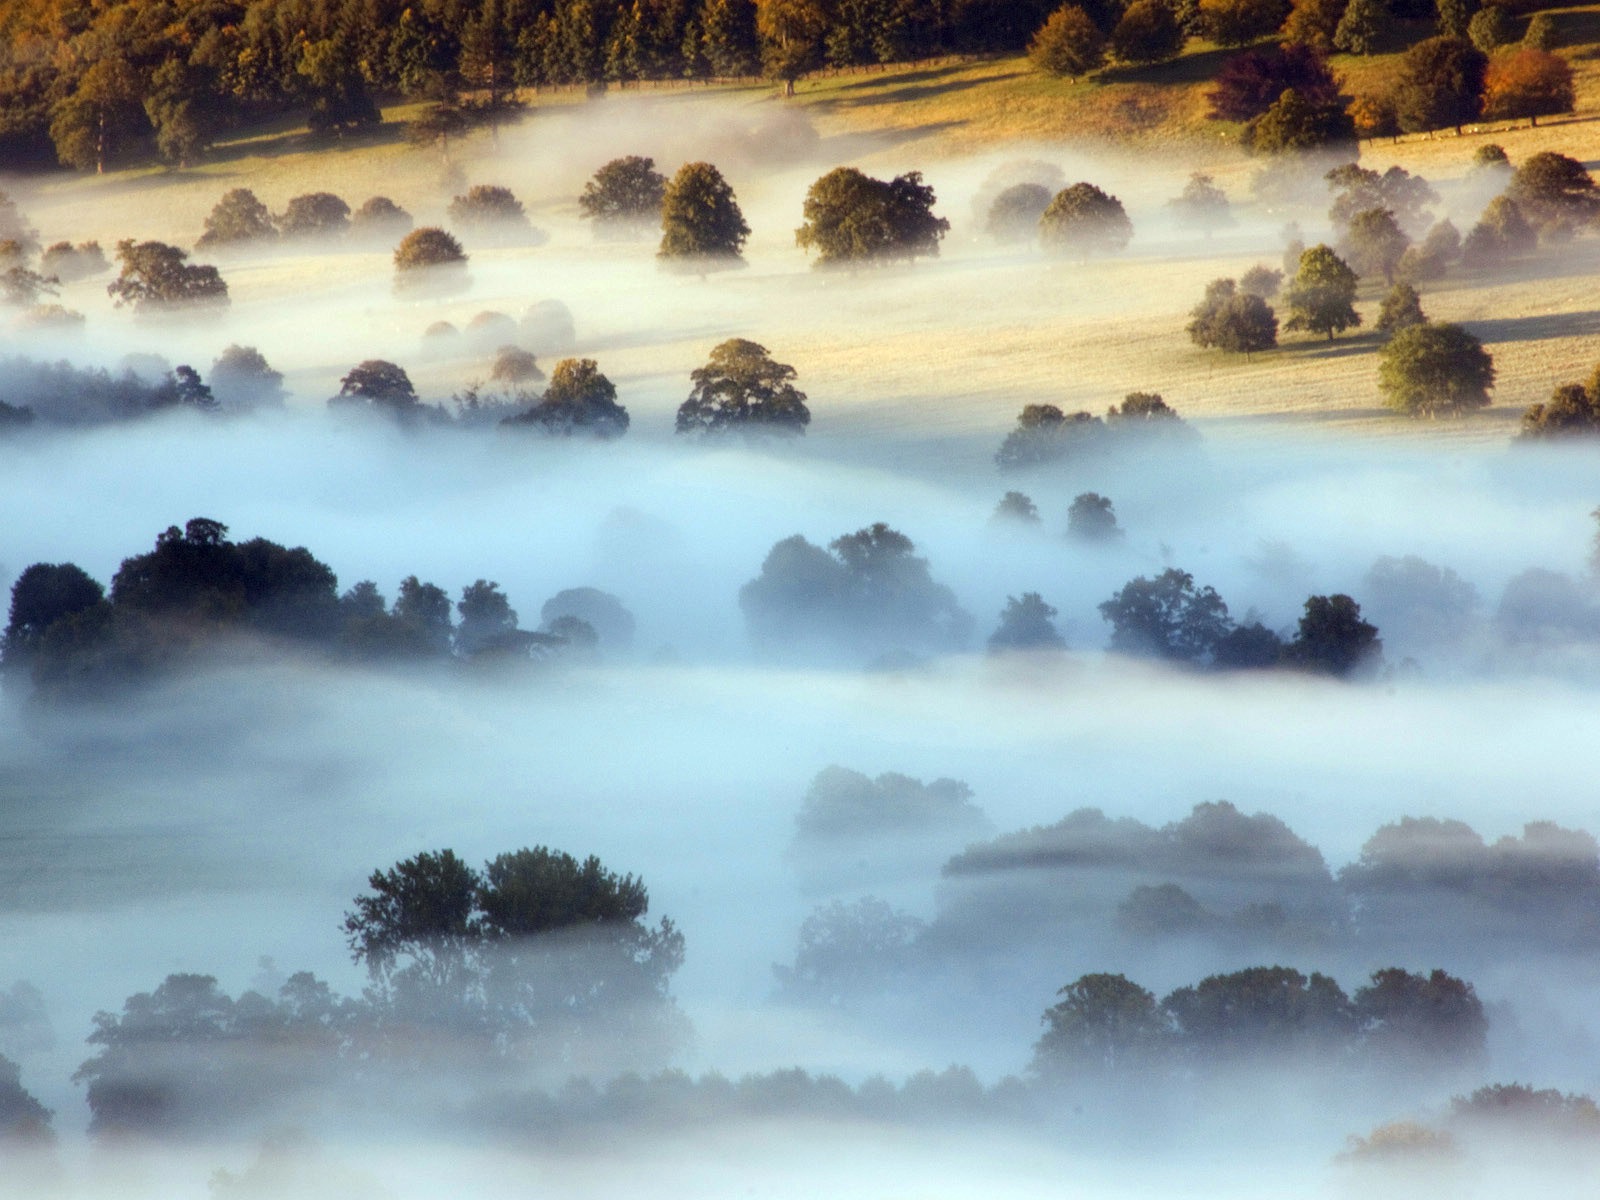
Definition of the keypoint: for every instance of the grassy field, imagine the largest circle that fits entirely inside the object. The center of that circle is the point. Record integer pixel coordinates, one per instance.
(954, 347)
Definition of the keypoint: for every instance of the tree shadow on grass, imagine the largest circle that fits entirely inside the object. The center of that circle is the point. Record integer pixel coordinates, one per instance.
(915, 78)
(1537, 328)
(903, 92)
(1320, 347)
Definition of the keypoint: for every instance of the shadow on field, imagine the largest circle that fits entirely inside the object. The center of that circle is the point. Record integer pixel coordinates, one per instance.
(923, 85)
(1537, 328)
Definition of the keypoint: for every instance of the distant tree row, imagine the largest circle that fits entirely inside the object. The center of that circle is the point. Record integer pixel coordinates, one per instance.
(197, 592)
(97, 87)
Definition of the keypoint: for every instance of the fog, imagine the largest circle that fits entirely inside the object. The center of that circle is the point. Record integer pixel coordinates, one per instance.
(222, 820)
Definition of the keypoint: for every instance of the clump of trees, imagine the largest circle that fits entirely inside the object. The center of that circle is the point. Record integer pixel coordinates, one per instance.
(843, 808)
(69, 263)
(1500, 235)
(1556, 195)
(852, 219)
(624, 197)
(702, 226)
(156, 278)
(868, 592)
(1045, 434)
(1573, 411)
(1435, 369)
(1234, 319)
(1084, 220)
(742, 389)
(198, 593)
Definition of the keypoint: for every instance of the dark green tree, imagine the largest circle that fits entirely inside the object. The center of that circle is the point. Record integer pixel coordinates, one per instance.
(852, 218)
(1026, 624)
(742, 389)
(624, 197)
(1166, 617)
(1148, 33)
(1435, 369)
(42, 595)
(239, 217)
(1321, 296)
(1102, 1024)
(1440, 85)
(156, 277)
(1573, 411)
(1374, 243)
(702, 228)
(378, 384)
(1091, 518)
(1233, 320)
(1084, 220)
(1555, 193)
(1044, 434)
(1333, 639)
(1401, 309)
(578, 400)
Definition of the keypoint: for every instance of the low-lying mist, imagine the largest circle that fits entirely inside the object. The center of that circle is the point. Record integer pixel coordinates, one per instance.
(877, 989)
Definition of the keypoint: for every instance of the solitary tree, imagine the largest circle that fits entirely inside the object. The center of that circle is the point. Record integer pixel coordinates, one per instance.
(315, 215)
(1014, 214)
(1091, 518)
(1068, 43)
(493, 212)
(1321, 296)
(1084, 220)
(429, 259)
(157, 277)
(380, 219)
(1026, 624)
(1103, 1023)
(624, 197)
(1435, 369)
(702, 228)
(851, 218)
(1017, 508)
(377, 384)
(1490, 28)
(741, 388)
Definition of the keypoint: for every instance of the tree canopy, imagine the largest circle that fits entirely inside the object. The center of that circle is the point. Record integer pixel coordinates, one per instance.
(852, 218)
(742, 389)
(624, 196)
(1435, 369)
(702, 227)
(1084, 220)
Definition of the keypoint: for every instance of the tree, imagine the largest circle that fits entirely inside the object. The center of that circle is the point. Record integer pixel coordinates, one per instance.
(70, 263)
(380, 219)
(1501, 234)
(1440, 85)
(1555, 194)
(423, 610)
(1321, 294)
(1490, 28)
(515, 366)
(1068, 44)
(1374, 243)
(486, 618)
(430, 259)
(702, 227)
(378, 384)
(624, 197)
(1313, 23)
(1401, 309)
(741, 388)
(1262, 281)
(23, 1120)
(1365, 27)
(101, 116)
(492, 212)
(415, 928)
(1084, 220)
(1433, 369)
(1233, 320)
(1148, 33)
(1433, 257)
(579, 399)
(792, 33)
(22, 288)
(1102, 1024)
(851, 218)
(1261, 1010)
(1541, 33)
(1026, 624)
(1333, 639)
(1527, 83)
(1014, 214)
(1202, 205)
(42, 595)
(242, 378)
(1356, 190)
(1412, 1019)
(1294, 122)
(729, 39)
(848, 951)
(1167, 618)
(315, 215)
(239, 217)
(1016, 507)
(1044, 434)
(1248, 84)
(1091, 519)
(156, 277)
(1240, 22)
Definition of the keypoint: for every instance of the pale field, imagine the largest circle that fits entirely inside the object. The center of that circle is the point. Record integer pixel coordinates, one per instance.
(943, 353)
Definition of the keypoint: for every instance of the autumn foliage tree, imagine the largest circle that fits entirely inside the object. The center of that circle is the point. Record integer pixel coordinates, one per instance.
(1068, 44)
(1148, 33)
(1527, 83)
